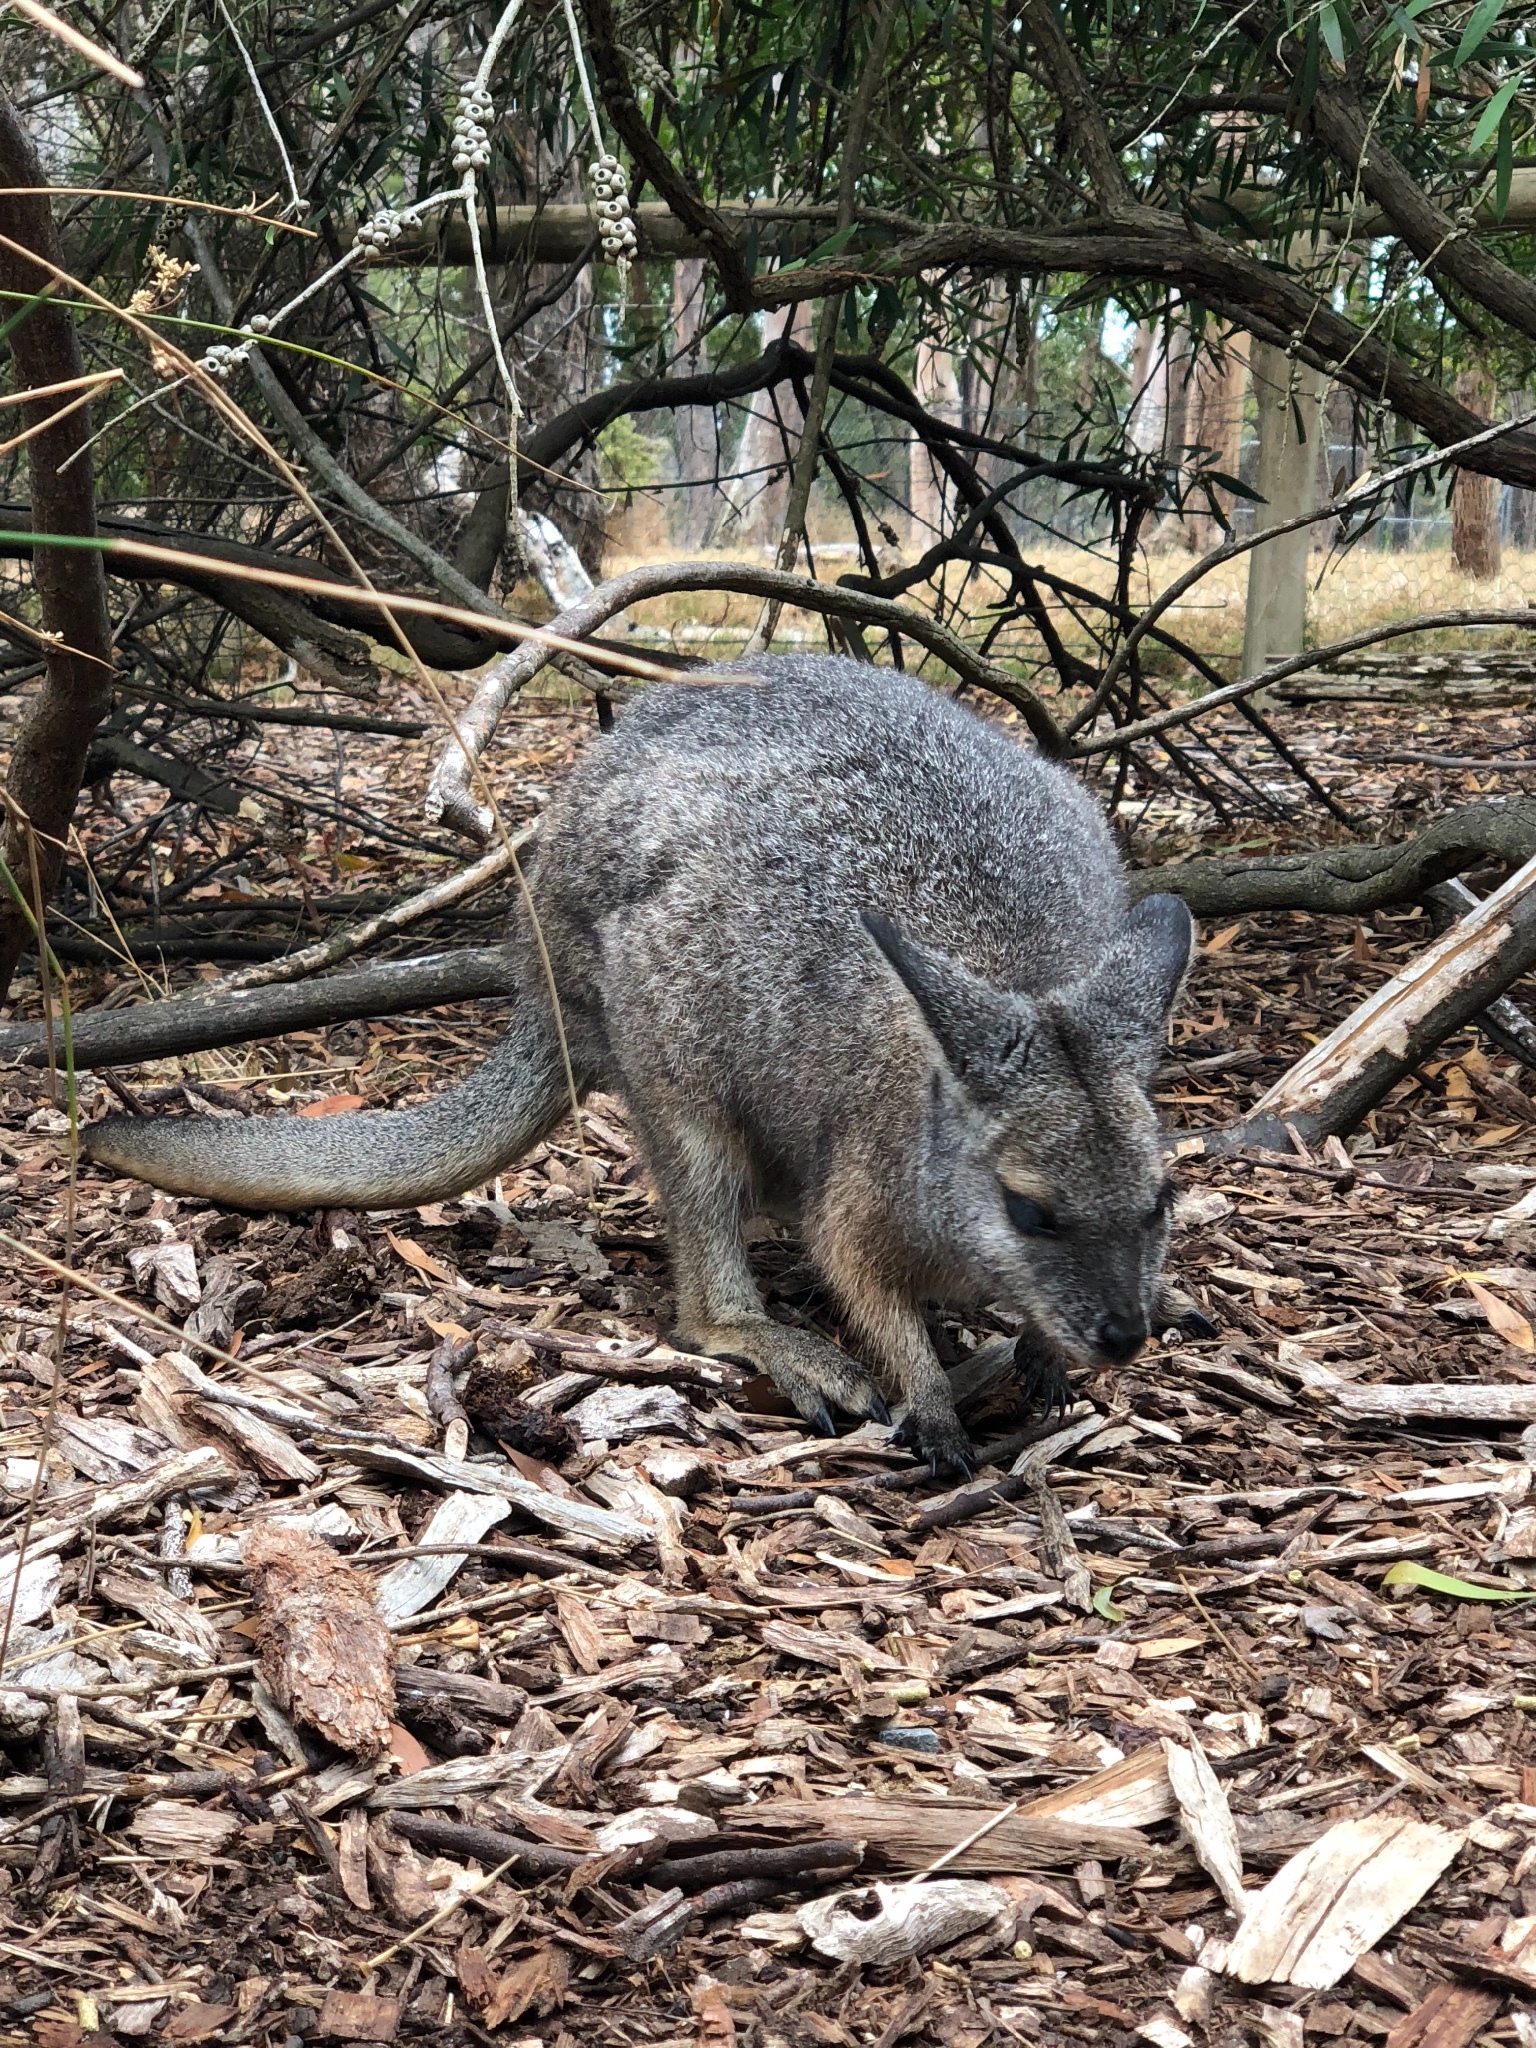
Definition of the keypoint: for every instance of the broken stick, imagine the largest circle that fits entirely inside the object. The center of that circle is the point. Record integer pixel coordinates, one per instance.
(1331, 1090)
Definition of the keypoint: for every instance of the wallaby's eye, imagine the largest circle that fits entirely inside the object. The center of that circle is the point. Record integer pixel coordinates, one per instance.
(1027, 1217)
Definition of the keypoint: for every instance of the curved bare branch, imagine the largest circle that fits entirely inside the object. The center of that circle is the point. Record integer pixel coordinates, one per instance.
(450, 797)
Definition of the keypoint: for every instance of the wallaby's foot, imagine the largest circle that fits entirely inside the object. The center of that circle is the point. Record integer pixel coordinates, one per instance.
(815, 1375)
(1176, 1311)
(942, 1440)
(1042, 1376)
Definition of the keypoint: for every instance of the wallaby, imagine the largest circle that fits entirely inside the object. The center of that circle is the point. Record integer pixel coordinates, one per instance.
(850, 956)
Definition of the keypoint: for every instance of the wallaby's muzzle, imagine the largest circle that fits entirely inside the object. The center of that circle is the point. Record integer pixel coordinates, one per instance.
(1118, 1338)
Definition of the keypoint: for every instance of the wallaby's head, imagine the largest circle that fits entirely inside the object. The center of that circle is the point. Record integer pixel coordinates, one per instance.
(1050, 1177)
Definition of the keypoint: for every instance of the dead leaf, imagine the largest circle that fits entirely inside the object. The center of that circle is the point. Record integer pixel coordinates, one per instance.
(535, 1983)
(194, 2022)
(1502, 1318)
(543, 1475)
(334, 1105)
(407, 1751)
(416, 1256)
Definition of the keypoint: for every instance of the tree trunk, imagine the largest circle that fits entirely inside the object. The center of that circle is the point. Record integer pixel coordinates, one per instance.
(556, 363)
(48, 758)
(698, 438)
(1290, 405)
(1475, 499)
(1144, 420)
(1216, 425)
(937, 387)
(757, 491)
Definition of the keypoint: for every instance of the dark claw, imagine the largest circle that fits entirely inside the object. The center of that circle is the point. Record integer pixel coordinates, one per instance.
(1196, 1323)
(878, 1412)
(821, 1422)
(940, 1463)
(1043, 1377)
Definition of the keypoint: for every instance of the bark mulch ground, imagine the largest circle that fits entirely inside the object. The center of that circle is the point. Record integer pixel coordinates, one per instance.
(593, 1775)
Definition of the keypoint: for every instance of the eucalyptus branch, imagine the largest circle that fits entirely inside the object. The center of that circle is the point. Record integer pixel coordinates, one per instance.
(1365, 491)
(1312, 657)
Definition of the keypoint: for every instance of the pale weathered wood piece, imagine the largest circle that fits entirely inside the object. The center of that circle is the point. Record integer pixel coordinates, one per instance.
(1337, 1898)
(415, 1582)
(1207, 1819)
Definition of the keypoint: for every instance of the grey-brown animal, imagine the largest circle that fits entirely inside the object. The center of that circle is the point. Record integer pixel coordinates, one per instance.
(851, 956)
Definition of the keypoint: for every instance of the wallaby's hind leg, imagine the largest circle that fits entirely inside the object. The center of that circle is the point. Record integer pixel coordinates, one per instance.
(720, 1312)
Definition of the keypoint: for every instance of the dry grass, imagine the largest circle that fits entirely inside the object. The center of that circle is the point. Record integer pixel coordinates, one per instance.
(1350, 591)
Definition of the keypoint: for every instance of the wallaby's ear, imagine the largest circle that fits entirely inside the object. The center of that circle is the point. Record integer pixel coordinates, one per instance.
(1120, 1010)
(1162, 935)
(983, 1032)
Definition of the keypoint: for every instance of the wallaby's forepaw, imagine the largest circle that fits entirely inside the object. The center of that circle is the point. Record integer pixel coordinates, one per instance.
(1042, 1376)
(942, 1440)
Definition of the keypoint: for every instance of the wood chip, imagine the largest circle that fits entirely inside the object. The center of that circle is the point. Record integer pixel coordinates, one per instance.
(1336, 1899)
(172, 1827)
(891, 1923)
(326, 1653)
(359, 2016)
(416, 1582)
(1206, 1818)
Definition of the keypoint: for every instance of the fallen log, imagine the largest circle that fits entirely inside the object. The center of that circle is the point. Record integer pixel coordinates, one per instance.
(1504, 1022)
(1343, 1077)
(1427, 1402)
(1349, 881)
(154, 1031)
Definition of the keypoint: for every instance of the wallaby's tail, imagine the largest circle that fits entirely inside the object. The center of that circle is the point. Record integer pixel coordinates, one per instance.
(385, 1160)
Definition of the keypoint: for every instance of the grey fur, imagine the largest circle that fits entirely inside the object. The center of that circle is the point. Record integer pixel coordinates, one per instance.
(851, 956)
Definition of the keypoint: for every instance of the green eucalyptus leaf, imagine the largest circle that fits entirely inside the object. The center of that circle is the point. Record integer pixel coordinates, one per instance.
(1407, 1573)
(1481, 20)
(1495, 110)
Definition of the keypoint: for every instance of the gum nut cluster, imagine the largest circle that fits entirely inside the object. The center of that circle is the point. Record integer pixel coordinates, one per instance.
(221, 360)
(375, 236)
(471, 139)
(615, 222)
(649, 70)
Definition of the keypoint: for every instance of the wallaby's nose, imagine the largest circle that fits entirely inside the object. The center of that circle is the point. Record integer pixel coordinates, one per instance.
(1120, 1338)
